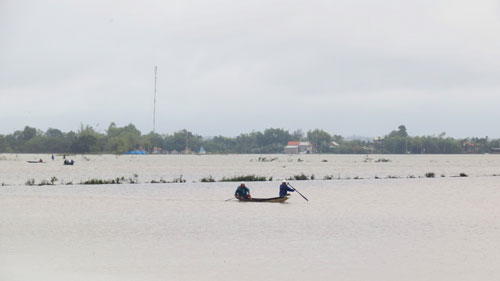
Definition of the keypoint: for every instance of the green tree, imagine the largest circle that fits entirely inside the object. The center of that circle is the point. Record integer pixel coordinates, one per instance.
(122, 139)
(321, 140)
(182, 140)
(395, 144)
(298, 135)
(83, 144)
(86, 140)
(54, 133)
(401, 132)
(220, 144)
(272, 140)
(4, 145)
(351, 147)
(152, 140)
(28, 133)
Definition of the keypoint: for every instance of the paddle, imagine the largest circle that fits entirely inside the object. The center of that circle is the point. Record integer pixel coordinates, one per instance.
(298, 192)
(230, 199)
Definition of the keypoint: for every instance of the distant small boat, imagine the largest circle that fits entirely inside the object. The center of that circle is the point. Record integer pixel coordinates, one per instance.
(270, 200)
(36, 162)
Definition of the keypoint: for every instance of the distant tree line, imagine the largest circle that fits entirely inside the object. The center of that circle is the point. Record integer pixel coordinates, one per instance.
(122, 139)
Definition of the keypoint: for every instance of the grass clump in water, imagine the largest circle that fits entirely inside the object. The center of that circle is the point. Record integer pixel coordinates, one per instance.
(159, 181)
(301, 177)
(265, 159)
(179, 180)
(45, 182)
(328, 177)
(134, 179)
(244, 178)
(101, 181)
(430, 175)
(207, 179)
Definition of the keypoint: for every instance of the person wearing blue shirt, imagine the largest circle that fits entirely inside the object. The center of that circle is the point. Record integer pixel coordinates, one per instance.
(284, 188)
(242, 192)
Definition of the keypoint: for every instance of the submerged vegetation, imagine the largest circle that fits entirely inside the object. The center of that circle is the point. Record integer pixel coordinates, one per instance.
(158, 181)
(207, 179)
(301, 177)
(100, 181)
(430, 175)
(30, 182)
(248, 178)
(245, 178)
(119, 140)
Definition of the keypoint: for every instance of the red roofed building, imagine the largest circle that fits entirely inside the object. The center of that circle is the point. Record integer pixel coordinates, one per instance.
(295, 147)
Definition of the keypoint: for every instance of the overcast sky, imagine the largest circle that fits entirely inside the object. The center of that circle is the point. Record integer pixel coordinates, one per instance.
(350, 67)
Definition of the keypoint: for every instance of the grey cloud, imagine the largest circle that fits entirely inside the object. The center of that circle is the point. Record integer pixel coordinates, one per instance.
(359, 67)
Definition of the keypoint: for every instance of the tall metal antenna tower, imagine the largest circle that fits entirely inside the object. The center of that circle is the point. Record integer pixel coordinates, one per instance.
(154, 103)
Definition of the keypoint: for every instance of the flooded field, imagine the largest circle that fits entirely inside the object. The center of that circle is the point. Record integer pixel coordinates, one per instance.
(374, 220)
(15, 169)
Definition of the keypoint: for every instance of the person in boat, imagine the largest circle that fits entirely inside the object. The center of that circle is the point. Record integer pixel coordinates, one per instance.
(72, 162)
(242, 192)
(284, 188)
(41, 161)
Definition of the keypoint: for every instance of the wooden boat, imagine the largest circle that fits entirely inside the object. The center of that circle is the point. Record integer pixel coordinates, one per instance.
(270, 200)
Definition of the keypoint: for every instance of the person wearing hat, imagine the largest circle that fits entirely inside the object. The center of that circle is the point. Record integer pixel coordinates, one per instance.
(284, 188)
(242, 192)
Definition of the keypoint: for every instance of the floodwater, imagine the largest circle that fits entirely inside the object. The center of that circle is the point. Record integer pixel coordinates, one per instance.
(374, 227)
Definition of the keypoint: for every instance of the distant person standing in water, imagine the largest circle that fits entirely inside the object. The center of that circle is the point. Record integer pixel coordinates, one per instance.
(284, 188)
(52, 156)
(242, 192)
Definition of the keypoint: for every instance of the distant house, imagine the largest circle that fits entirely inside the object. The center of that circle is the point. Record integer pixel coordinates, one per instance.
(157, 150)
(495, 150)
(469, 147)
(296, 147)
(291, 149)
(378, 143)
